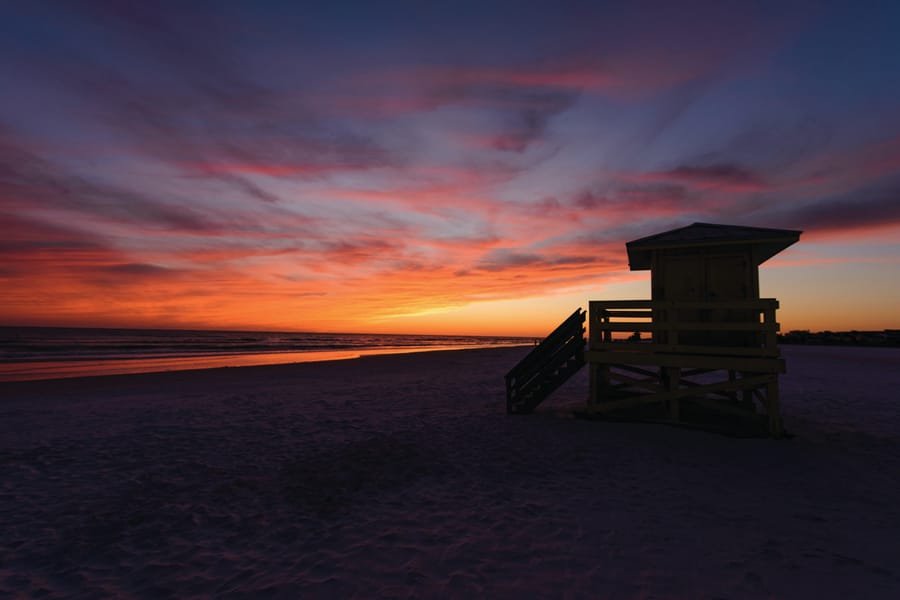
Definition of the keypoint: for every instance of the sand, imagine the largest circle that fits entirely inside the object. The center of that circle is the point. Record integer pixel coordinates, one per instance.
(402, 476)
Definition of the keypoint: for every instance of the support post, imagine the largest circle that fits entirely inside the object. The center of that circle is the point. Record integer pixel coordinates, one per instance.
(732, 378)
(747, 395)
(773, 409)
(671, 377)
(599, 385)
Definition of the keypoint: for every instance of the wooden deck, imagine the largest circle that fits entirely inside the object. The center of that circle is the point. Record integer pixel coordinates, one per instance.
(705, 363)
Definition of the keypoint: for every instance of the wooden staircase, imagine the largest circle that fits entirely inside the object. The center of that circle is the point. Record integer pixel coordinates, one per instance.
(546, 367)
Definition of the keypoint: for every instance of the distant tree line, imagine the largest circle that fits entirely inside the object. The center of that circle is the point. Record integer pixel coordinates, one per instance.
(887, 337)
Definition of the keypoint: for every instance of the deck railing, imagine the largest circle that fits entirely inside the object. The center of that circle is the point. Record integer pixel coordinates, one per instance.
(724, 328)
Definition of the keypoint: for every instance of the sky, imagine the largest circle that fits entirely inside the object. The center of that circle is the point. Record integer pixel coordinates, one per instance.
(436, 167)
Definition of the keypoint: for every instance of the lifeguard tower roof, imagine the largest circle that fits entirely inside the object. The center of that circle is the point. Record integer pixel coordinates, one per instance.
(767, 242)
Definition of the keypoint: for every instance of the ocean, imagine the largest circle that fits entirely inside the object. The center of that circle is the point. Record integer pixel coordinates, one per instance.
(52, 352)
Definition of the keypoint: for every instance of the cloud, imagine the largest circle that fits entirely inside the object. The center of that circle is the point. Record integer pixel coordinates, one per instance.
(26, 238)
(194, 106)
(648, 200)
(729, 176)
(136, 270)
(558, 76)
(50, 256)
(528, 124)
(361, 249)
(502, 259)
(206, 167)
(864, 208)
(534, 263)
(720, 176)
(30, 182)
(515, 104)
(227, 146)
(882, 158)
(48, 190)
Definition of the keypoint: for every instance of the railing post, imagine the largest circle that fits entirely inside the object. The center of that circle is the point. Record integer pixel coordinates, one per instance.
(771, 336)
(672, 316)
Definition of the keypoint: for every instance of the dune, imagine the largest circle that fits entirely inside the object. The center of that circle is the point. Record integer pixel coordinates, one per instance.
(402, 476)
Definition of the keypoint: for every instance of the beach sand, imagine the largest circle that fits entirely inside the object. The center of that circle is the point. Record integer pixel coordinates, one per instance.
(402, 476)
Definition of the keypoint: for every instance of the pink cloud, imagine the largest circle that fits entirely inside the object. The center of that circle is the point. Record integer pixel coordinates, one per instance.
(882, 158)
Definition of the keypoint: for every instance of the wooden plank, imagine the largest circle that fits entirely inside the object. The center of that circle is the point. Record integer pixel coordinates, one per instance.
(634, 381)
(650, 348)
(695, 372)
(609, 305)
(728, 394)
(612, 304)
(538, 379)
(672, 376)
(773, 410)
(526, 368)
(644, 326)
(690, 326)
(642, 347)
(676, 395)
(739, 351)
(551, 384)
(639, 371)
(762, 304)
(738, 363)
(572, 326)
(745, 382)
(600, 384)
(547, 347)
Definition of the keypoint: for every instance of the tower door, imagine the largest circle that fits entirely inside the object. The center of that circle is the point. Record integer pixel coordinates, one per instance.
(728, 279)
(684, 280)
(708, 277)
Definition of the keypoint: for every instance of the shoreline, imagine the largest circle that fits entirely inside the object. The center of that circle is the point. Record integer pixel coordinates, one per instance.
(215, 379)
(68, 369)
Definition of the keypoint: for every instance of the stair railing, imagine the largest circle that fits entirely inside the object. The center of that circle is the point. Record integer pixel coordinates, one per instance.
(547, 366)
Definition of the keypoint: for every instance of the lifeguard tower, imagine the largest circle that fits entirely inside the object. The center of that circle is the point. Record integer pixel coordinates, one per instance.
(710, 356)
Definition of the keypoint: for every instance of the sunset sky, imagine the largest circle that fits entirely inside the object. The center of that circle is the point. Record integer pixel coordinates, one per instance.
(420, 167)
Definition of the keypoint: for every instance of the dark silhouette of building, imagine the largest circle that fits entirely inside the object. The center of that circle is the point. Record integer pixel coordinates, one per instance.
(712, 355)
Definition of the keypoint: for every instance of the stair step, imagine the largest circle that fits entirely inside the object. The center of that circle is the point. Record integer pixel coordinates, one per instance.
(548, 366)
